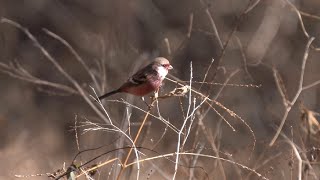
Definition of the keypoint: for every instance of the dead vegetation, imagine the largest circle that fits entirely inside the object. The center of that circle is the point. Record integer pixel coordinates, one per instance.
(245, 110)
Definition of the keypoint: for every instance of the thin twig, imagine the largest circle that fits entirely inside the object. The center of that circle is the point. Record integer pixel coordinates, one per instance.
(118, 129)
(244, 58)
(297, 154)
(57, 66)
(213, 26)
(309, 15)
(300, 19)
(76, 131)
(134, 142)
(212, 139)
(202, 155)
(175, 129)
(166, 40)
(98, 166)
(16, 73)
(194, 161)
(249, 8)
(300, 88)
(233, 114)
(190, 25)
(224, 46)
(74, 53)
(184, 123)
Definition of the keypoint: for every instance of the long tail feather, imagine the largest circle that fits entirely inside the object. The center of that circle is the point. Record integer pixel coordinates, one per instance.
(108, 94)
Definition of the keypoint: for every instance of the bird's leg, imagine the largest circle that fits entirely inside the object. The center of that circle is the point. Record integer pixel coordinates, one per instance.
(155, 96)
(142, 98)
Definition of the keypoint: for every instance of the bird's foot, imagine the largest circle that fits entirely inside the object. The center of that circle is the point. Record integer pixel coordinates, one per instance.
(156, 94)
(148, 105)
(154, 97)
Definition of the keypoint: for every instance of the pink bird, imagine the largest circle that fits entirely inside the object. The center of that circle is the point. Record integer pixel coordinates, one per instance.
(146, 80)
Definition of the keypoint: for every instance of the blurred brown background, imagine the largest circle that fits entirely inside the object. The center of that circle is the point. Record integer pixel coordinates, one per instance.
(36, 121)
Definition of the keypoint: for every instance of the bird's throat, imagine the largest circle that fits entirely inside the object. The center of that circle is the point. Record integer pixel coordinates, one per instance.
(162, 72)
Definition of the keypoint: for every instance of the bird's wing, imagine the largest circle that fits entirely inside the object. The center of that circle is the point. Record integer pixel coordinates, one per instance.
(142, 75)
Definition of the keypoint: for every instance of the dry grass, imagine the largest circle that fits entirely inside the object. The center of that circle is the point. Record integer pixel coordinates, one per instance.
(185, 132)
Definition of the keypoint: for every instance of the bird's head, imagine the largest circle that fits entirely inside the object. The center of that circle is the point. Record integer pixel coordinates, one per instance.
(162, 65)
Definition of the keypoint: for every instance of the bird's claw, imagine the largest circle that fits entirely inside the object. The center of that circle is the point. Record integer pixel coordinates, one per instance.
(150, 106)
(155, 97)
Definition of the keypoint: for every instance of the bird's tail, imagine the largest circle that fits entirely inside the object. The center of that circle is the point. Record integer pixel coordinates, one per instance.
(108, 94)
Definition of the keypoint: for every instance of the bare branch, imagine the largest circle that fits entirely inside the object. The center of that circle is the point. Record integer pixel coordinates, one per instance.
(22, 74)
(57, 66)
(75, 54)
(300, 88)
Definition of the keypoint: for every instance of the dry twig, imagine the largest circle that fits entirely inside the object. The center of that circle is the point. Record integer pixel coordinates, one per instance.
(287, 103)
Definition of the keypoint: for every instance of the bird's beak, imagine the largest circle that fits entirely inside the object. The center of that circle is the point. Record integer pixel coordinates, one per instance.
(170, 67)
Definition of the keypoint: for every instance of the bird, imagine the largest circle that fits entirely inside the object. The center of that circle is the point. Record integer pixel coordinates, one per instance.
(145, 80)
